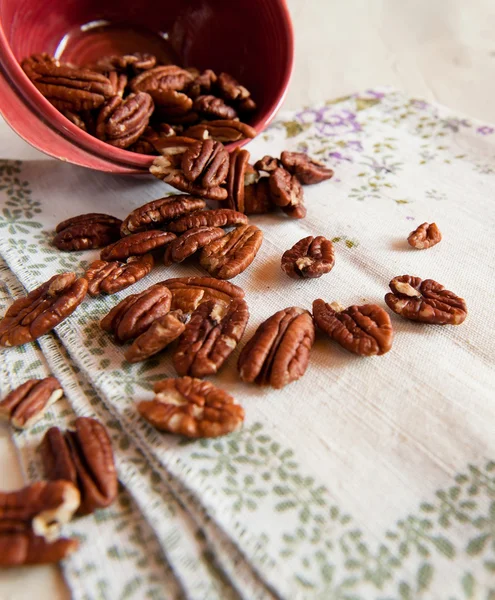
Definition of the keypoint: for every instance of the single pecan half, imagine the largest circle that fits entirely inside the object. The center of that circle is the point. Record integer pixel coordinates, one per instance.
(278, 352)
(206, 163)
(426, 301)
(307, 170)
(233, 253)
(257, 198)
(211, 107)
(189, 292)
(230, 88)
(224, 131)
(157, 337)
(190, 242)
(168, 77)
(173, 105)
(268, 164)
(92, 230)
(43, 506)
(365, 330)
(137, 244)
(85, 458)
(172, 145)
(27, 404)
(19, 548)
(112, 277)
(310, 257)
(202, 83)
(158, 213)
(121, 62)
(134, 314)
(192, 408)
(121, 122)
(236, 178)
(285, 189)
(42, 309)
(68, 87)
(210, 337)
(220, 217)
(425, 236)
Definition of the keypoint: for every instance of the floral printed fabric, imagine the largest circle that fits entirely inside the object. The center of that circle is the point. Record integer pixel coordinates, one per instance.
(368, 478)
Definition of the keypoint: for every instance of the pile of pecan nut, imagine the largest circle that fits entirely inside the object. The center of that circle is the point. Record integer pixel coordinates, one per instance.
(80, 477)
(131, 101)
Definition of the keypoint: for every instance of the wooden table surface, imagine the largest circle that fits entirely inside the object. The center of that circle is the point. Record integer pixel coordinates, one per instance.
(439, 50)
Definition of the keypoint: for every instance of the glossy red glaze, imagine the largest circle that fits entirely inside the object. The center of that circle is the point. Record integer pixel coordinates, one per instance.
(251, 39)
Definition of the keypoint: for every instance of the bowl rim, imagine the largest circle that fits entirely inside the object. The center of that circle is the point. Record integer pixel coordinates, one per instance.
(132, 162)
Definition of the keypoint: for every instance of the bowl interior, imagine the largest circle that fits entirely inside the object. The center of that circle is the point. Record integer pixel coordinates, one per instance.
(250, 39)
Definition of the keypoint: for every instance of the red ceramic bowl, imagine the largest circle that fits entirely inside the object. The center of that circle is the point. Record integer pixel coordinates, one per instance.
(250, 39)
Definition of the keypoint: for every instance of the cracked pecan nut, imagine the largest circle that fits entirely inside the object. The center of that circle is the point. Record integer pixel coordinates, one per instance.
(85, 232)
(425, 236)
(112, 277)
(42, 309)
(211, 107)
(189, 292)
(27, 404)
(236, 178)
(158, 213)
(121, 122)
(134, 314)
(193, 408)
(307, 170)
(19, 548)
(311, 257)
(365, 330)
(68, 87)
(219, 217)
(168, 77)
(224, 131)
(43, 506)
(257, 198)
(233, 253)
(85, 458)
(425, 301)
(157, 337)
(210, 337)
(230, 88)
(278, 352)
(268, 164)
(202, 83)
(285, 189)
(206, 163)
(190, 242)
(137, 244)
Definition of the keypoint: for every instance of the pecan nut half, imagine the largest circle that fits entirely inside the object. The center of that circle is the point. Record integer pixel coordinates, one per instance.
(268, 164)
(307, 170)
(26, 405)
(112, 277)
(172, 105)
(121, 122)
(233, 253)
(134, 314)
(236, 178)
(285, 189)
(19, 548)
(425, 236)
(190, 242)
(206, 163)
(157, 337)
(295, 212)
(219, 217)
(159, 212)
(85, 458)
(210, 337)
(172, 145)
(68, 87)
(278, 352)
(138, 61)
(43, 506)
(42, 309)
(202, 83)
(167, 169)
(224, 131)
(193, 408)
(365, 330)
(231, 89)
(211, 107)
(425, 301)
(168, 77)
(257, 198)
(85, 232)
(189, 292)
(310, 257)
(137, 244)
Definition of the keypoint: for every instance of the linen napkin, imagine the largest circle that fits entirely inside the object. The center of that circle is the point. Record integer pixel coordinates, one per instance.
(369, 477)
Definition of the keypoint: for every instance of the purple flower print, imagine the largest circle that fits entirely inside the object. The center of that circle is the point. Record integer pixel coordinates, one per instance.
(420, 104)
(455, 124)
(330, 122)
(485, 130)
